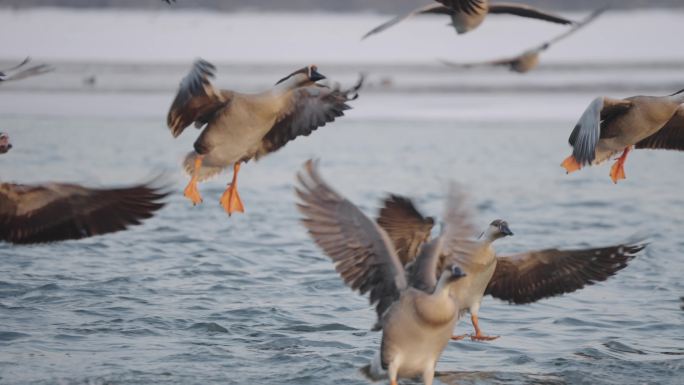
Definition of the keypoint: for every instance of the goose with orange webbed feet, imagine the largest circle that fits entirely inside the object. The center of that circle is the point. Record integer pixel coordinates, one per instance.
(239, 127)
(612, 126)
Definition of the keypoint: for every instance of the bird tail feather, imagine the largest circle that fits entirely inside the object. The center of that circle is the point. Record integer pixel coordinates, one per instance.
(205, 172)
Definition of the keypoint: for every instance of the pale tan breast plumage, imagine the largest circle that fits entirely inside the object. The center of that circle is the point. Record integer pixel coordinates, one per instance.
(647, 115)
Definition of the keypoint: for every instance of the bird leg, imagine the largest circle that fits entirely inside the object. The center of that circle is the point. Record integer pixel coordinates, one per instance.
(230, 200)
(617, 172)
(570, 164)
(191, 191)
(478, 333)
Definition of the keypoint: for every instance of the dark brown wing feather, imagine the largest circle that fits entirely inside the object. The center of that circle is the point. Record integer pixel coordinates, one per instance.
(467, 6)
(363, 254)
(527, 11)
(55, 212)
(405, 225)
(670, 137)
(309, 108)
(197, 101)
(531, 276)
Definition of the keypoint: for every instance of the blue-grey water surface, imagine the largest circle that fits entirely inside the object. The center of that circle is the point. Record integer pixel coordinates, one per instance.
(195, 297)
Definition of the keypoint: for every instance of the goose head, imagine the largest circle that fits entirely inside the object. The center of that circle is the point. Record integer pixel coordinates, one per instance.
(455, 273)
(303, 77)
(5, 144)
(497, 229)
(450, 275)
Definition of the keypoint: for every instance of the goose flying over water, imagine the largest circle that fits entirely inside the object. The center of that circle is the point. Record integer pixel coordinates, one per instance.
(519, 279)
(420, 314)
(467, 15)
(240, 127)
(610, 126)
(529, 59)
(59, 211)
(5, 144)
(17, 72)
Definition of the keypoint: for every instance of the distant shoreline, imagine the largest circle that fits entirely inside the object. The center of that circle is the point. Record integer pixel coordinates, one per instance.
(349, 6)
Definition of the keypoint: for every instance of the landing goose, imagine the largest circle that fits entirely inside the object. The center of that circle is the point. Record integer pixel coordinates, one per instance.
(5, 144)
(466, 15)
(520, 278)
(59, 211)
(17, 72)
(610, 126)
(418, 323)
(529, 59)
(239, 127)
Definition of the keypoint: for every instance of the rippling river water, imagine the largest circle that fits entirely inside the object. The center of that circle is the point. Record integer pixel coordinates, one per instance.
(195, 297)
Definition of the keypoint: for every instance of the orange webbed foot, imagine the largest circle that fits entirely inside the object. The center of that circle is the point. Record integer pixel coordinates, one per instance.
(458, 338)
(191, 192)
(230, 200)
(570, 164)
(617, 171)
(482, 337)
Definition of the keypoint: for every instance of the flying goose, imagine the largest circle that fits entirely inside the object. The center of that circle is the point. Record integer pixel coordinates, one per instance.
(5, 144)
(610, 126)
(240, 127)
(59, 211)
(529, 59)
(466, 15)
(520, 278)
(15, 73)
(419, 319)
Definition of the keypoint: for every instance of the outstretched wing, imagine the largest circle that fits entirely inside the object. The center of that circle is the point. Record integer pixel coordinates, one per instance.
(55, 212)
(587, 131)
(528, 277)
(197, 100)
(307, 109)
(593, 16)
(362, 252)
(458, 231)
(18, 73)
(428, 9)
(406, 226)
(527, 11)
(670, 137)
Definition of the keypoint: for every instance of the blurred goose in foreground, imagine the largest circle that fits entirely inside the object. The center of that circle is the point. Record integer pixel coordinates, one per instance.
(59, 211)
(420, 314)
(610, 126)
(5, 144)
(529, 59)
(17, 73)
(520, 278)
(466, 15)
(240, 127)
